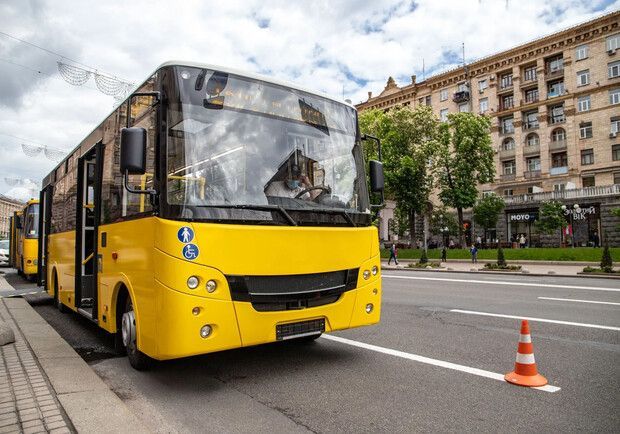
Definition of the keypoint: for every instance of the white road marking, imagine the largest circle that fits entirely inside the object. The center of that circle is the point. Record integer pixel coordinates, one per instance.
(502, 282)
(579, 301)
(429, 361)
(498, 315)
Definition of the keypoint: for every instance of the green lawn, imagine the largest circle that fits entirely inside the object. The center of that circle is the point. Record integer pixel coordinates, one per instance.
(581, 254)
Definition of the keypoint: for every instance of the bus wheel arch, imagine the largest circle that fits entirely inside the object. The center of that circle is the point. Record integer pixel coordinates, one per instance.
(125, 339)
(61, 307)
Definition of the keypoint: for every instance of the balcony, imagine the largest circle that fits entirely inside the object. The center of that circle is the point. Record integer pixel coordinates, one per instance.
(506, 88)
(462, 96)
(577, 193)
(530, 126)
(531, 150)
(557, 119)
(507, 177)
(506, 153)
(531, 174)
(558, 170)
(558, 145)
(553, 73)
(529, 100)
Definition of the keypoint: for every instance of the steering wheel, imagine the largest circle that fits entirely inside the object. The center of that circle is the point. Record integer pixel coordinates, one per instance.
(314, 187)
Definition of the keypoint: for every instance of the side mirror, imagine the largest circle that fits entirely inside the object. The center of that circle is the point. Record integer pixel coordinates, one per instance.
(376, 176)
(133, 151)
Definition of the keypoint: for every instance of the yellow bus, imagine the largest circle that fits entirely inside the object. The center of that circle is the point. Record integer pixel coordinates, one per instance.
(25, 239)
(215, 209)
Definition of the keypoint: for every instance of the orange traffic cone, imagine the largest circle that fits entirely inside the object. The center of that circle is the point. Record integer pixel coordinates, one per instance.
(525, 373)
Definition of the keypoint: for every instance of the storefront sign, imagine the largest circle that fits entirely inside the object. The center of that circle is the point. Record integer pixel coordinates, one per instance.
(580, 213)
(523, 217)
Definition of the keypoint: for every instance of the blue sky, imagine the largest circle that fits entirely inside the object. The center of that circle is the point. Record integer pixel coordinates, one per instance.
(339, 47)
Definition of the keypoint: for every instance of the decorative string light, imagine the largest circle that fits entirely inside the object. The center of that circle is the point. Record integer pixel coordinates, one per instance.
(78, 76)
(52, 154)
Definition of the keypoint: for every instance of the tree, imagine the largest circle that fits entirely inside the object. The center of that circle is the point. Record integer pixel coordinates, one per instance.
(501, 260)
(464, 160)
(486, 211)
(408, 139)
(607, 263)
(441, 219)
(551, 217)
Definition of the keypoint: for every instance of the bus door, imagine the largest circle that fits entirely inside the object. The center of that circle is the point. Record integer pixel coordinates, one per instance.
(45, 213)
(86, 233)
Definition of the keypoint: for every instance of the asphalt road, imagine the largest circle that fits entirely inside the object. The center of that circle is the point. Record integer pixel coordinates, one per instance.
(344, 386)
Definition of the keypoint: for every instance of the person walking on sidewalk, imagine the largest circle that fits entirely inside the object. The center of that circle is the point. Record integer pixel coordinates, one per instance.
(393, 254)
(474, 253)
(444, 254)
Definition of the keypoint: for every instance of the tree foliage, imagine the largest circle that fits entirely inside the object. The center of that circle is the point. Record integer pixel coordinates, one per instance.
(464, 160)
(441, 218)
(487, 209)
(551, 217)
(409, 139)
(607, 263)
(501, 260)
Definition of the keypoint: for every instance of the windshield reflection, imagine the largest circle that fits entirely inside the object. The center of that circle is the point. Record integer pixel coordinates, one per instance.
(236, 141)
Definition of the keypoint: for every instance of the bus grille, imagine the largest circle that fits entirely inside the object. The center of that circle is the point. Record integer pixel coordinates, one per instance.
(295, 291)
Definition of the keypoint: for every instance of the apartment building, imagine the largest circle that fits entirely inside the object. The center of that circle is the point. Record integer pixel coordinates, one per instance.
(555, 110)
(7, 207)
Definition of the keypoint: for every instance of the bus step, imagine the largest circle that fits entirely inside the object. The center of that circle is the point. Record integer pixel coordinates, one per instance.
(86, 302)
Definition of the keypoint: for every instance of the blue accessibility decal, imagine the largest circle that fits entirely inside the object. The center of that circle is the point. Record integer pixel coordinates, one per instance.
(190, 251)
(185, 235)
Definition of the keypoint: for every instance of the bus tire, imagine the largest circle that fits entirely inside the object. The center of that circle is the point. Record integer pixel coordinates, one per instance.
(137, 359)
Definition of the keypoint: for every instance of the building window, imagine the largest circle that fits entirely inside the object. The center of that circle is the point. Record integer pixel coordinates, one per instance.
(428, 100)
(613, 42)
(555, 64)
(484, 105)
(533, 164)
(482, 85)
(587, 181)
(614, 96)
(507, 125)
(464, 107)
(532, 140)
(581, 52)
(510, 167)
(555, 88)
(443, 115)
(617, 178)
(613, 69)
(508, 192)
(615, 152)
(506, 80)
(583, 103)
(530, 120)
(462, 87)
(583, 77)
(556, 114)
(443, 94)
(529, 73)
(559, 160)
(531, 95)
(486, 193)
(587, 157)
(507, 102)
(558, 135)
(585, 130)
(615, 126)
(559, 187)
(508, 144)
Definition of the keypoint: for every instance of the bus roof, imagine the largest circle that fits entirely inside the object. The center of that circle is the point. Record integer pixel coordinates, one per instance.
(196, 65)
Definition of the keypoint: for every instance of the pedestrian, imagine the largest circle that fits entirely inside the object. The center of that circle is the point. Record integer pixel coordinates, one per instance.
(522, 241)
(451, 244)
(474, 253)
(595, 239)
(444, 254)
(478, 241)
(393, 254)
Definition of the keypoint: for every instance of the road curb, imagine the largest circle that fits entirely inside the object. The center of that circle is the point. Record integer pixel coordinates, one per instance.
(88, 402)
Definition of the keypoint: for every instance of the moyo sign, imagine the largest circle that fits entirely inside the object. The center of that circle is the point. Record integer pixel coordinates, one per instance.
(524, 217)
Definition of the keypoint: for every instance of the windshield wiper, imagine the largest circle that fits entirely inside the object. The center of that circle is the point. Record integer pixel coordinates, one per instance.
(278, 208)
(341, 212)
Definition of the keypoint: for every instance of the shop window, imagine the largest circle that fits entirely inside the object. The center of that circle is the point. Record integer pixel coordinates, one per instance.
(588, 181)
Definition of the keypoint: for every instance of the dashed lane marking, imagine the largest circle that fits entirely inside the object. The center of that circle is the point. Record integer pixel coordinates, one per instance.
(429, 361)
(553, 321)
(503, 282)
(579, 301)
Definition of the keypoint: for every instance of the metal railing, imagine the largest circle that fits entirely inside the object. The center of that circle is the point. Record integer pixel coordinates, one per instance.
(557, 145)
(562, 170)
(506, 153)
(531, 174)
(531, 150)
(577, 193)
(507, 177)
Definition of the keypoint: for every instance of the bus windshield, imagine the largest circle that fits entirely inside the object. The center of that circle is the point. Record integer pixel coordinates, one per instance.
(32, 221)
(238, 147)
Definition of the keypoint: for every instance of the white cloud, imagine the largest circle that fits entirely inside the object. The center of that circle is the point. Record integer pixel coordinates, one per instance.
(321, 45)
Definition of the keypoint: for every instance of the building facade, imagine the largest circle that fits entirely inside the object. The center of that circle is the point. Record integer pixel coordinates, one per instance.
(555, 110)
(7, 207)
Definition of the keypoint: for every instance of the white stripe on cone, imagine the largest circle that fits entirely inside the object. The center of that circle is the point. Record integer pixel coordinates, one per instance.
(525, 359)
(525, 339)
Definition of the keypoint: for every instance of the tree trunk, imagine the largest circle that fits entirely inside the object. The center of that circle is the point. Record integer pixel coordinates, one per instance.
(461, 232)
(425, 232)
(412, 227)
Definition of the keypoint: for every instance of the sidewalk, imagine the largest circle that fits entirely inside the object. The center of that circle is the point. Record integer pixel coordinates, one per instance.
(462, 266)
(45, 386)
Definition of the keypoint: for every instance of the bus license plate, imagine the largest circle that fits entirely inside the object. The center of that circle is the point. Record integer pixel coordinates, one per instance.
(300, 329)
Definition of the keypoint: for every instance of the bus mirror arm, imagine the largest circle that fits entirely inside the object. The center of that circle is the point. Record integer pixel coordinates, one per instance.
(136, 190)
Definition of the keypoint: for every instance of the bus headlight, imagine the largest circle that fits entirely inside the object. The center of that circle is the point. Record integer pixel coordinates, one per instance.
(375, 270)
(205, 331)
(192, 282)
(211, 285)
(366, 274)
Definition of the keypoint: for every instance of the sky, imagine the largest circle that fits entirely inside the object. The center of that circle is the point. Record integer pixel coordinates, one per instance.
(344, 48)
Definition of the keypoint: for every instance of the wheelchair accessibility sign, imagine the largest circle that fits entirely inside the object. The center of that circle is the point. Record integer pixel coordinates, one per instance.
(190, 251)
(185, 235)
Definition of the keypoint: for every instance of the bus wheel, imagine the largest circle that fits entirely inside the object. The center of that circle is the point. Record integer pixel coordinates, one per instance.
(137, 359)
(61, 307)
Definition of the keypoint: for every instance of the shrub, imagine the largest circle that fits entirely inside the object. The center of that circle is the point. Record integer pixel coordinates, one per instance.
(424, 257)
(501, 261)
(607, 263)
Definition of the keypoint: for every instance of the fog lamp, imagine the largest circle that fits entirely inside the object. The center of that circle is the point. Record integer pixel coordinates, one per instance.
(192, 282)
(366, 274)
(211, 285)
(375, 270)
(205, 331)
(369, 307)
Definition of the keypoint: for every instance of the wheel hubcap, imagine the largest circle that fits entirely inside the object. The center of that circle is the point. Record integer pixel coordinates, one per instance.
(128, 328)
